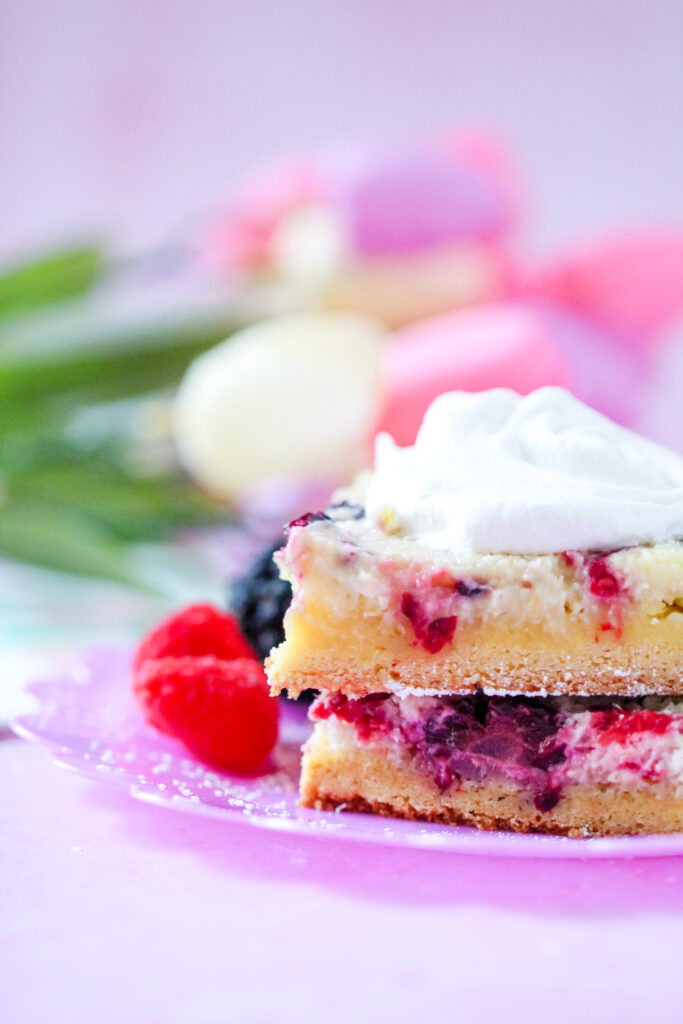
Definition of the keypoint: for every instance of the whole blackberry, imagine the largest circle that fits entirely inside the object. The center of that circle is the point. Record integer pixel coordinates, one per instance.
(260, 599)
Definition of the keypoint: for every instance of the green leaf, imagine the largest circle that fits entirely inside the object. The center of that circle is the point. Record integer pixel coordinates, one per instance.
(75, 502)
(130, 508)
(62, 540)
(87, 361)
(58, 276)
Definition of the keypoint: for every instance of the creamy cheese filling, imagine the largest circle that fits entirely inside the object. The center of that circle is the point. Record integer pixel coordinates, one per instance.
(354, 559)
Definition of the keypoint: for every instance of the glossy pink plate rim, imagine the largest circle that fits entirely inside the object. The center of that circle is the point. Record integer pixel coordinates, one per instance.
(86, 717)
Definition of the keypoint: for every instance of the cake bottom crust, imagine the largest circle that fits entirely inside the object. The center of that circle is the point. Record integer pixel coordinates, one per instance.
(338, 772)
(500, 660)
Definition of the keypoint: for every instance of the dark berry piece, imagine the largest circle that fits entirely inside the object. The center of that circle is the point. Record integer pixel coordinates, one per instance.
(466, 738)
(259, 600)
(344, 511)
(466, 589)
(546, 800)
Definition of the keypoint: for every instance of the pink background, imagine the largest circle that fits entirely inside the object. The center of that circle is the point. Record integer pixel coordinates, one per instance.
(113, 911)
(133, 115)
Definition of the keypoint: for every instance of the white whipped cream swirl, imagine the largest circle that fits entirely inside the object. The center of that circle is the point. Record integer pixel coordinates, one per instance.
(494, 472)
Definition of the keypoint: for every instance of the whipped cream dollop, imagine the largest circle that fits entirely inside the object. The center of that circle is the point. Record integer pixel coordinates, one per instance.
(495, 472)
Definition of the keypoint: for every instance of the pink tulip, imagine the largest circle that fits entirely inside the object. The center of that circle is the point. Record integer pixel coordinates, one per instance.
(629, 284)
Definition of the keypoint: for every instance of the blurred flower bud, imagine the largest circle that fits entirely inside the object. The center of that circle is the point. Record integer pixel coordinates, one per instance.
(289, 397)
(397, 231)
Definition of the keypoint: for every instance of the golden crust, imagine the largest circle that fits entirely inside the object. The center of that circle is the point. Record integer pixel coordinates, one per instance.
(360, 656)
(338, 772)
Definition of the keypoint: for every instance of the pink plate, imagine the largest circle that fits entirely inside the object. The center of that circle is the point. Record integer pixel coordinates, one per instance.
(89, 722)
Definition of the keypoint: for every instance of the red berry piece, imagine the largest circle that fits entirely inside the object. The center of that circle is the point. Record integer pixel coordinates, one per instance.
(196, 631)
(304, 520)
(432, 634)
(221, 710)
(604, 582)
(617, 726)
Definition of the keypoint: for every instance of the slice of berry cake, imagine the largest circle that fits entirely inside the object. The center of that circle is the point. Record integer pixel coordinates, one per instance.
(524, 554)
(577, 766)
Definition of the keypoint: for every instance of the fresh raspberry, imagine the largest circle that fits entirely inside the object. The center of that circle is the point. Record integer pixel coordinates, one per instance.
(196, 631)
(220, 710)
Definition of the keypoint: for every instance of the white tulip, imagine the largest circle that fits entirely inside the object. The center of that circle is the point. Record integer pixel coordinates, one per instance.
(292, 396)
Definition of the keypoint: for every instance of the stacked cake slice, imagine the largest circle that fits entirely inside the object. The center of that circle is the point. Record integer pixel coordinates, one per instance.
(495, 623)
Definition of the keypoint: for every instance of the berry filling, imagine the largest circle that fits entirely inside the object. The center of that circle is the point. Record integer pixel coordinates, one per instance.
(460, 739)
(431, 608)
(338, 513)
(540, 745)
(603, 581)
(306, 520)
(605, 584)
(433, 634)
(615, 725)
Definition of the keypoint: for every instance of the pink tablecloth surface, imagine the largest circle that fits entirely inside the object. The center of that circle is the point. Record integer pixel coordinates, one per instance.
(117, 911)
